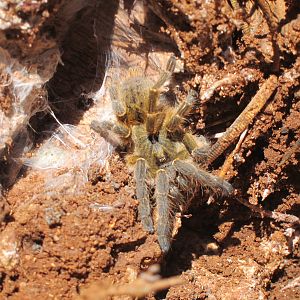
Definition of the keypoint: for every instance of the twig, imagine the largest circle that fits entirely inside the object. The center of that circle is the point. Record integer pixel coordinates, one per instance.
(243, 77)
(228, 80)
(244, 119)
(277, 216)
(139, 288)
(228, 162)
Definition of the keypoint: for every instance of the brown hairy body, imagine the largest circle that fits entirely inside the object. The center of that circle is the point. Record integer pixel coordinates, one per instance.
(162, 153)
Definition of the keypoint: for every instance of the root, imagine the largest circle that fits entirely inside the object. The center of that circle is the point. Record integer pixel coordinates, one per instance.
(277, 216)
(245, 76)
(147, 283)
(244, 119)
(229, 160)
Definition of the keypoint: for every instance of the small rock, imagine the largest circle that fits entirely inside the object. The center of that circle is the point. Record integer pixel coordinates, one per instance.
(53, 216)
(9, 256)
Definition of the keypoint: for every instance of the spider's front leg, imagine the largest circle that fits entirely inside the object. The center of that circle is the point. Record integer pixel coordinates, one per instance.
(171, 64)
(165, 217)
(118, 106)
(154, 90)
(155, 118)
(182, 111)
(142, 194)
(105, 128)
(198, 146)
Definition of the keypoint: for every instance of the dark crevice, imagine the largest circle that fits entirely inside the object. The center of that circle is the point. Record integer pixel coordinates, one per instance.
(127, 247)
(122, 248)
(84, 63)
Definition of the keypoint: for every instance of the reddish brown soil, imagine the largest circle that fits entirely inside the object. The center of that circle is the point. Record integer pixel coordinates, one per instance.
(222, 250)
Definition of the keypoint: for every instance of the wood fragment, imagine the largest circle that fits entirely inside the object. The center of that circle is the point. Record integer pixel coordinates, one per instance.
(244, 119)
(229, 160)
(228, 80)
(139, 288)
(277, 216)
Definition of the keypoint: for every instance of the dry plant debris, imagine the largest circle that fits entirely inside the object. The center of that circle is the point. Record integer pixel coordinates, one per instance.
(244, 119)
(146, 284)
(272, 11)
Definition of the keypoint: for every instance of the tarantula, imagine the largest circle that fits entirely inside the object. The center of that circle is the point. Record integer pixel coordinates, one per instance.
(162, 153)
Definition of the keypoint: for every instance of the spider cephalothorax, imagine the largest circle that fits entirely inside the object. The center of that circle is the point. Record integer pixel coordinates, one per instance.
(162, 153)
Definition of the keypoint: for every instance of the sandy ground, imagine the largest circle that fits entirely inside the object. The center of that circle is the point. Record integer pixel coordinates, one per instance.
(55, 244)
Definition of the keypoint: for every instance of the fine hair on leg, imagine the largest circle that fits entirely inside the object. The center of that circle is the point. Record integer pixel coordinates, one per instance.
(142, 195)
(164, 215)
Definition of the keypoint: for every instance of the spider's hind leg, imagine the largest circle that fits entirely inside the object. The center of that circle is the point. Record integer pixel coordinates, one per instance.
(165, 217)
(142, 194)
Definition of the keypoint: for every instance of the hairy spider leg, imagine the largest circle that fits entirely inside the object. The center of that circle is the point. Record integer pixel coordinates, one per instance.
(142, 194)
(178, 186)
(181, 112)
(118, 105)
(154, 122)
(202, 177)
(189, 187)
(153, 99)
(155, 119)
(171, 64)
(165, 217)
(104, 128)
(198, 146)
(176, 196)
(174, 149)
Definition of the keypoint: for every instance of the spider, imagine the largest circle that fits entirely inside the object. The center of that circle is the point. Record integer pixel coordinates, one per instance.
(162, 153)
